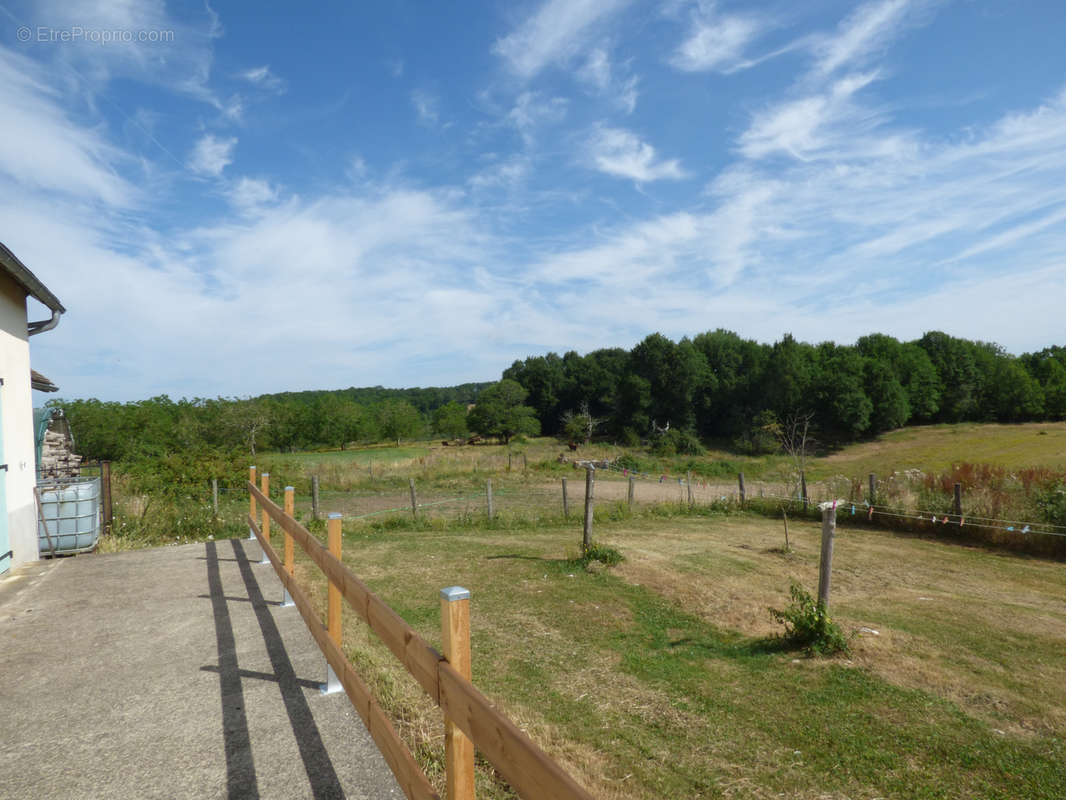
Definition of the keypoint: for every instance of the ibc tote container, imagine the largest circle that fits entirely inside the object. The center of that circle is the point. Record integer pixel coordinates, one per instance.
(71, 516)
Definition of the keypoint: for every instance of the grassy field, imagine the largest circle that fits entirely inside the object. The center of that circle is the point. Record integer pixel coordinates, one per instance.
(662, 678)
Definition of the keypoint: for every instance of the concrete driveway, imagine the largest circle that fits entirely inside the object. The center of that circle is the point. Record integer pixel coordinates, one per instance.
(171, 672)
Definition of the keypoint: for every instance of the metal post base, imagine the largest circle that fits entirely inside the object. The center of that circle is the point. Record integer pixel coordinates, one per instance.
(286, 598)
(251, 533)
(264, 559)
(332, 684)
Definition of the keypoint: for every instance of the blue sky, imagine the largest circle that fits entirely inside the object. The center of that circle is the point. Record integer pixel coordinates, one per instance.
(232, 199)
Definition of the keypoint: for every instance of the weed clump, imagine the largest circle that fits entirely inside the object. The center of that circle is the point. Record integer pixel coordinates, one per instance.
(605, 554)
(808, 624)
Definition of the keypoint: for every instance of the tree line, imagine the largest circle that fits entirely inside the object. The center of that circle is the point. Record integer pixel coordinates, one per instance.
(713, 386)
(287, 421)
(717, 385)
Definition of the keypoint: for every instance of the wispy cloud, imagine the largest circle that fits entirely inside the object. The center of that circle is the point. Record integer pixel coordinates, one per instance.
(251, 195)
(716, 42)
(599, 75)
(43, 148)
(826, 123)
(263, 78)
(426, 106)
(534, 109)
(212, 154)
(618, 152)
(557, 31)
(863, 33)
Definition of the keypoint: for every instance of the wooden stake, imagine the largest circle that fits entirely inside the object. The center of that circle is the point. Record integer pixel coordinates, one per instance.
(455, 641)
(566, 505)
(508, 460)
(214, 496)
(586, 533)
(488, 496)
(414, 498)
(290, 511)
(740, 481)
(314, 497)
(958, 500)
(873, 489)
(333, 596)
(784, 516)
(803, 490)
(825, 563)
(688, 483)
(105, 494)
(629, 494)
(264, 483)
(252, 512)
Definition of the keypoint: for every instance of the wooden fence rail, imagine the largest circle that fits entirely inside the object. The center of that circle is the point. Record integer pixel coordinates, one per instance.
(531, 773)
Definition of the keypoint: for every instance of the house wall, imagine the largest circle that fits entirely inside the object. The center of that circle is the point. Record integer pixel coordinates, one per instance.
(17, 409)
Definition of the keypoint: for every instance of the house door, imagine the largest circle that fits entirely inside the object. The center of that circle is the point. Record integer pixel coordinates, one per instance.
(5, 544)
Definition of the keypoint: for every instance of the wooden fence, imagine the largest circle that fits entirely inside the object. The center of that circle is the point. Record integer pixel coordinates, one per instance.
(531, 773)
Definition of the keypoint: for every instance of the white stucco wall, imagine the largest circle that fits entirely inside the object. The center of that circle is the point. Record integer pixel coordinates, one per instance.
(17, 400)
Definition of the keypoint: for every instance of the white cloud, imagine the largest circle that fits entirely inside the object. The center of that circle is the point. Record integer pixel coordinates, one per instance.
(554, 34)
(251, 194)
(263, 78)
(505, 174)
(426, 106)
(211, 155)
(828, 122)
(865, 31)
(623, 154)
(532, 110)
(175, 54)
(598, 75)
(716, 43)
(43, 148)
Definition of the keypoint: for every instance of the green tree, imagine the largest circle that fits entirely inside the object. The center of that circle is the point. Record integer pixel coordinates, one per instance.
(398, 419)
(450, 420)
(500, 412)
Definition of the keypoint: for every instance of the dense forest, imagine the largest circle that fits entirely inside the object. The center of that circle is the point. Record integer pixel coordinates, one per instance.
(714, 386)
(719, 386)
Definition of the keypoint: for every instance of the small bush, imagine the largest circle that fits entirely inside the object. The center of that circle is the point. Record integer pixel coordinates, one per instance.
(808, 625)
(603, 553)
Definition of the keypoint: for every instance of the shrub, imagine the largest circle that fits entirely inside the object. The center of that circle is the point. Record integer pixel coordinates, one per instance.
(676, 442)
(603, 553)
(808, 624)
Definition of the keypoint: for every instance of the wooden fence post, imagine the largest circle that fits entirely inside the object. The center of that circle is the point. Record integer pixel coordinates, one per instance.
(414, 498)
(252, 512)
(825, 563)
(688, 484)
(333, 601)
(455, 640)
(264, 525)
(958, 500)
(508, 460)
(105, 494)
(586, 533)
(743, 493)
(566, 504)
(214, 496)
(803, 490)
(873, 489)
(525, 463)
(290, 556)
(314, 497)
(629, 493)
(488, 496)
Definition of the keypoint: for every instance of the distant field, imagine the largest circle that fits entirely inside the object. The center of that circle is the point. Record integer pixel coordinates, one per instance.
(937, 447)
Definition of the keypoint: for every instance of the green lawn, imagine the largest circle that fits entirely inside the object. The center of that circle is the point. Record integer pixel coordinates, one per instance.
(661, 679)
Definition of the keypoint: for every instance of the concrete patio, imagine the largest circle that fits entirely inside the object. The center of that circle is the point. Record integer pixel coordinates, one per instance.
(170, 672)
